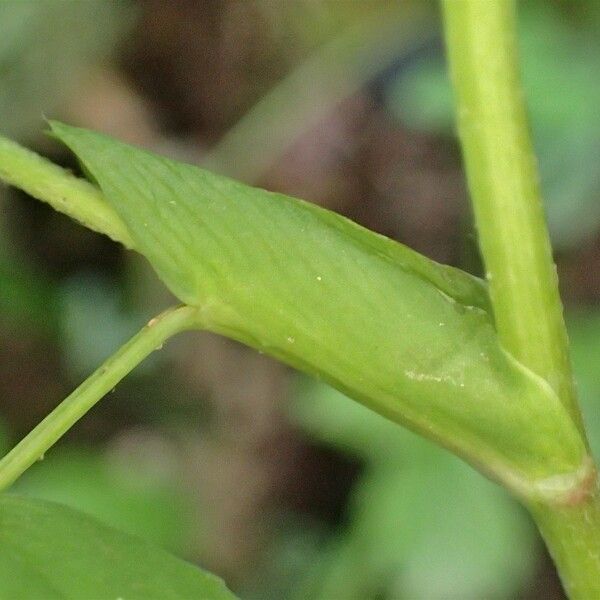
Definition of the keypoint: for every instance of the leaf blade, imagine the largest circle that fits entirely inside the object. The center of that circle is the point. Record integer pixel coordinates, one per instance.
(52, 551)
(407, 337)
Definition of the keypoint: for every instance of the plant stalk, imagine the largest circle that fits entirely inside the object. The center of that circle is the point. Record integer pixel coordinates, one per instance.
(515, 245)
(504, 184)
(572, 535)
(66, 193)
(33, 446)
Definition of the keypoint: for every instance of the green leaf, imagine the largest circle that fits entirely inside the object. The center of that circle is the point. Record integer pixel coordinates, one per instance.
(420, 522)
(125, 496)
(440, 532)
(407, 337)
(330, 418)
(193, 213)
(584, 336)
(27, 299)
(50, 551)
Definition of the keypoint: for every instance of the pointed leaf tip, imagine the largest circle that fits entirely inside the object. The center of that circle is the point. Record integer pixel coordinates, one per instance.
(407, 337)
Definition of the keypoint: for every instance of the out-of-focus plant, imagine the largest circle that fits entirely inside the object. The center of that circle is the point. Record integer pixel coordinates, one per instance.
(584, 332)
(338, 67)
(134, 493)
(561, 79)
(421, 524)
(400, 521)
(480, 368)
(38, 71)
(40, 68)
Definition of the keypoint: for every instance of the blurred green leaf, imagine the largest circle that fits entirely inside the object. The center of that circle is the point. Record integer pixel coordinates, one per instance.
(561, 77)
(443, 530)
(310, 23)
(91, 309)
(51, 551)
(26, 298)
(46, 49)
(584, 335)
(128, 497)
(422, 525)
(328, 416)
(294, 280)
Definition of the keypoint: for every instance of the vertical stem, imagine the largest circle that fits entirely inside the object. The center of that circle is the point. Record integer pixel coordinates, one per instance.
(71, 409)
(514, 242)
(572, 534)
(504, 184)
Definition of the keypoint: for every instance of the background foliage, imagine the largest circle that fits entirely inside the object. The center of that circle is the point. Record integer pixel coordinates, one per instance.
(218, 454)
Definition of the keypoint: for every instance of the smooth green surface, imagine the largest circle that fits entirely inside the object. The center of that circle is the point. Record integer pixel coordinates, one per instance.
(33, 446)
(572, 534)
(395, 541)
(504, 185)
(407, 337)
(53, 552)
(514, 241)
(132, 492)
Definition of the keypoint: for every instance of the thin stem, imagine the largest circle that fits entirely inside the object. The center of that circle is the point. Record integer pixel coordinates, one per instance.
(504, 184)
(514, 241)
(66, 193)
(104, 379)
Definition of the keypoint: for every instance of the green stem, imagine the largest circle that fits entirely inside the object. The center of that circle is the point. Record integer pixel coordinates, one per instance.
(515, 245)
(504, 184)
(66, 193)
(572, 534)
(102, 381)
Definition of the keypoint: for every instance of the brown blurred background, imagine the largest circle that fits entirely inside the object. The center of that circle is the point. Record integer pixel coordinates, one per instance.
(277, 483)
